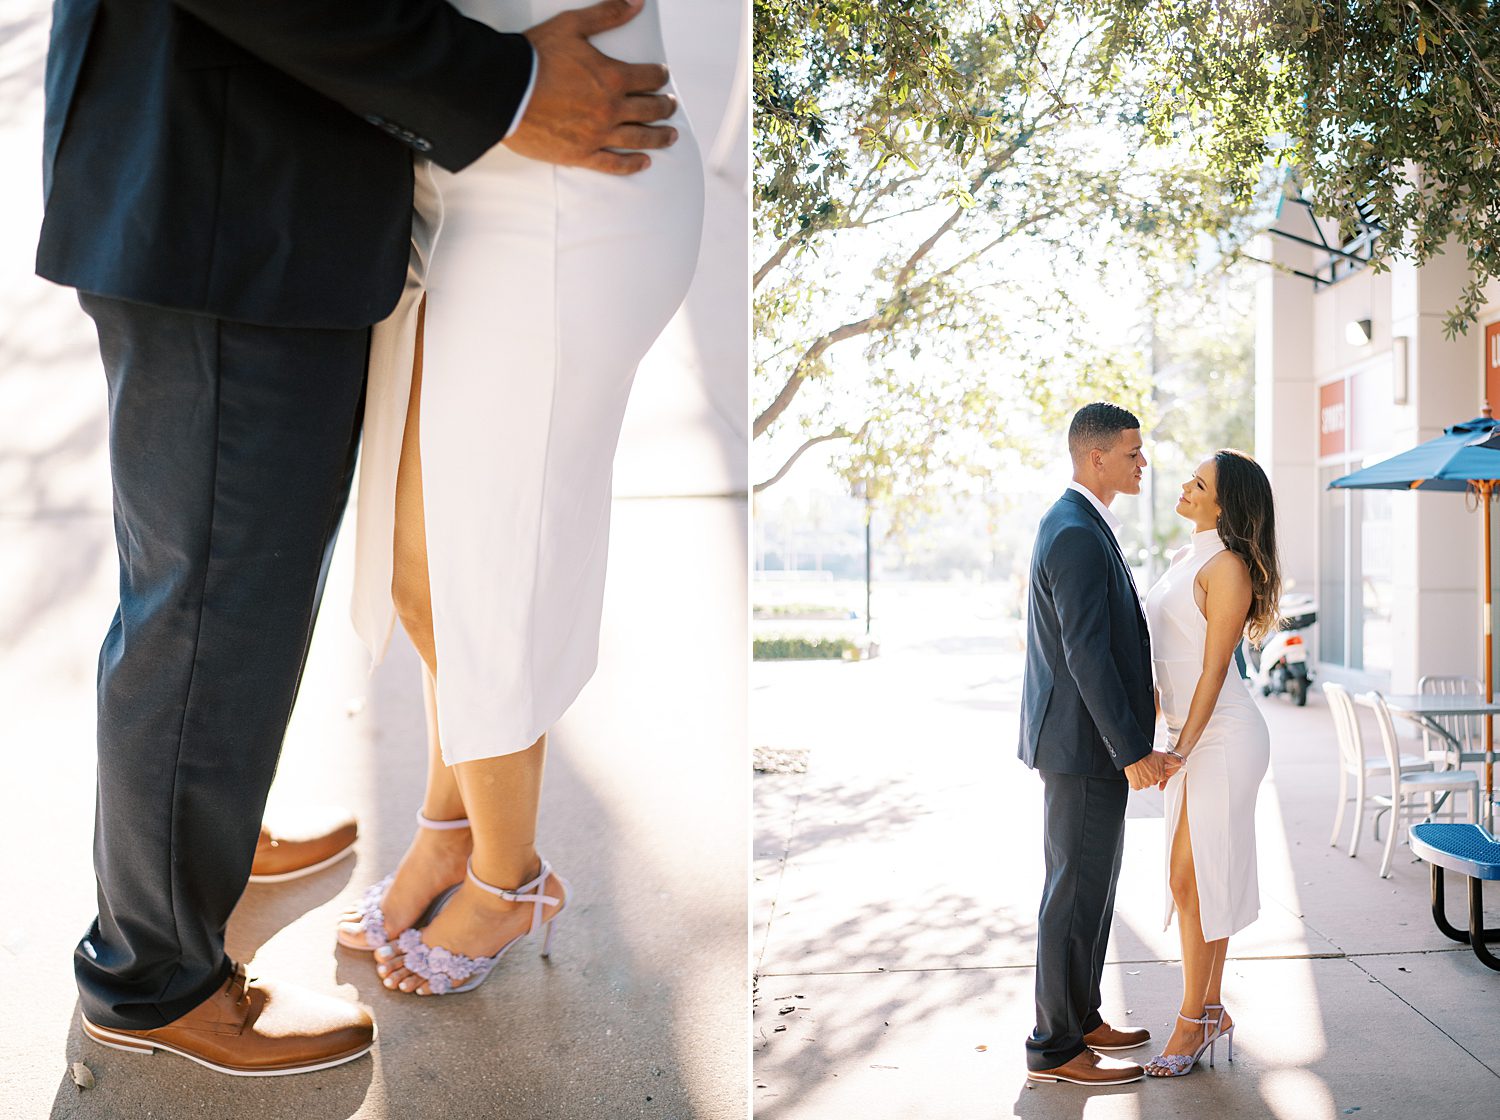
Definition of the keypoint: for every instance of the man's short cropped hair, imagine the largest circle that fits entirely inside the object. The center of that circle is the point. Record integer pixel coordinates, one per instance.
(1098, 425)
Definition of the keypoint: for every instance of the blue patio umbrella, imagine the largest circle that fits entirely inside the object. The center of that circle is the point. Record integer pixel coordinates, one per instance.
(1465, 457)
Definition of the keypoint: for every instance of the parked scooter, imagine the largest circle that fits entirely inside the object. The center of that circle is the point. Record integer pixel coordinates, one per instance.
(1281, 664)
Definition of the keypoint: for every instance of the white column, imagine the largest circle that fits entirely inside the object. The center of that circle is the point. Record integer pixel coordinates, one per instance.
(1437, 606)
(1286, 435)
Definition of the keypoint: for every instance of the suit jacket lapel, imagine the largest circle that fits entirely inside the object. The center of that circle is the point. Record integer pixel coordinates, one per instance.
(1084, 504)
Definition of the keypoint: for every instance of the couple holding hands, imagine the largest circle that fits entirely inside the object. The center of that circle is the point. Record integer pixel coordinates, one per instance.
(279, 216)
(1100, 667)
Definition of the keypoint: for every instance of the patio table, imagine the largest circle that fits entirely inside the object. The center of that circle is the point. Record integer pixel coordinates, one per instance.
(1470, 851)
(1425, 709)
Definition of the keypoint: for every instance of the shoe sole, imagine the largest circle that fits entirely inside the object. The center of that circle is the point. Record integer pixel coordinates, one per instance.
(1054, 1077)
(1128, 1046)
(301, 872)
(130, 1044)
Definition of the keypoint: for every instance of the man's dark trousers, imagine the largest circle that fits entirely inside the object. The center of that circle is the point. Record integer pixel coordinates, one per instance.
(232, 448)
(1087, 713)
(1084, 838)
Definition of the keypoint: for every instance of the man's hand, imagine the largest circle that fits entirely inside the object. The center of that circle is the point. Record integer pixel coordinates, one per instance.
(1145, 772)
(1152, 770)
(584, 102)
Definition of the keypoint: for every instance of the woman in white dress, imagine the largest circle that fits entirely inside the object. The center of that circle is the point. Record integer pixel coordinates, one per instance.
(1224, 584)
(497, 390)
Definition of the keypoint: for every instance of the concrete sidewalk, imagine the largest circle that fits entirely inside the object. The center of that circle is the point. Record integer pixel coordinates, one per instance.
(640, 1012)
(895, 899)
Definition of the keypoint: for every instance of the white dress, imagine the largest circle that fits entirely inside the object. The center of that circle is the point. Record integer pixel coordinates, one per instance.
(1225, 767)
(545, 287)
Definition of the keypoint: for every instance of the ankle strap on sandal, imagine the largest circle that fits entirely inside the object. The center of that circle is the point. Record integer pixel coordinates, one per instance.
(424, 821)
(526, 892)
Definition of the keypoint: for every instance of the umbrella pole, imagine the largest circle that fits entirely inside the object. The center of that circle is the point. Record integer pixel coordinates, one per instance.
(1486, 490)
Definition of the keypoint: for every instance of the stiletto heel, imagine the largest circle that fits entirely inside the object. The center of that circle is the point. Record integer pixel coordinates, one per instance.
(371, 918)
(1219, 1029)
(1180, 1065)
(442, 968)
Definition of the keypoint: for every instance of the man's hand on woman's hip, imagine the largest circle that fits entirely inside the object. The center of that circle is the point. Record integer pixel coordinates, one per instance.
(584, 103)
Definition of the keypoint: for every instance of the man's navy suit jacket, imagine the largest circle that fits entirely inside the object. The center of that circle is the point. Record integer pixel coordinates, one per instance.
(252, 160)
(1087, 703)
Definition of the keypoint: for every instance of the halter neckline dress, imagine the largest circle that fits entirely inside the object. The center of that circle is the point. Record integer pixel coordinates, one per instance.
(1225, 767)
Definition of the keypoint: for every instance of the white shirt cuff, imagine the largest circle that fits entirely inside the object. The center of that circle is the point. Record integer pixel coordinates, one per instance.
(515, 121)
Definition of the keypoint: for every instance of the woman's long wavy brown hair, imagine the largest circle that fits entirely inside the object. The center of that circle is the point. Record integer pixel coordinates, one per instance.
(1247, 526)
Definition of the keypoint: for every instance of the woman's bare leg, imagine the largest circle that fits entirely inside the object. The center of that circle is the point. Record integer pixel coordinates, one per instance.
(1214, 993)
(409, 580)
(500, 796)
(436, 858)
(1202, 962)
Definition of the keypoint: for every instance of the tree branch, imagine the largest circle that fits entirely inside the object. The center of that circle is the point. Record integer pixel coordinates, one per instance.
(858, 221)
(838, 433)
(777, 257)
(799, 372)
(863, 326)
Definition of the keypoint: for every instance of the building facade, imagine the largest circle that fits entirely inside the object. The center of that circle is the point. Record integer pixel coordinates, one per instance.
(1348, 373)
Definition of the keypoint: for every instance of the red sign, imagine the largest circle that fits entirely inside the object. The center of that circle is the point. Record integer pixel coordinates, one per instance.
(1333, 419)
(1492, 365)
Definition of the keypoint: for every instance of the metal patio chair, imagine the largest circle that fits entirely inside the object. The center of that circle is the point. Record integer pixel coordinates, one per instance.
(1467, 731)
(1408, 786)
(1355, 763)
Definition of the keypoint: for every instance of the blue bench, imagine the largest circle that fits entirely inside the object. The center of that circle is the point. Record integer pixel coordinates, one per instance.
(1473, 853)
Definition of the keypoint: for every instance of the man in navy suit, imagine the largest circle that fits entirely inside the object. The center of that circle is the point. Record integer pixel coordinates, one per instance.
(1088, 717)
(229, 187)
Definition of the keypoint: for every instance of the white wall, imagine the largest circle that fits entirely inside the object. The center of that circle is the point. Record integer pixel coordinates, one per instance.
(1286, 407)
(1301, 344)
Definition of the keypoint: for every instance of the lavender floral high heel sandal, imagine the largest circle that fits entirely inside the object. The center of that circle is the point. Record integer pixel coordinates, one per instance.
(1219, 1029)
(368, 913)
(449, 973)
(1180, 1065)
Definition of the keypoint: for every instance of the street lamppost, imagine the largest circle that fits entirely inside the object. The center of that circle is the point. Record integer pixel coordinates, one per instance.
(860, 489)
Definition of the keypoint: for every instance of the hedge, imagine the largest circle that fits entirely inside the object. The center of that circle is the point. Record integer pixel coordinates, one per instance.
(805, 649)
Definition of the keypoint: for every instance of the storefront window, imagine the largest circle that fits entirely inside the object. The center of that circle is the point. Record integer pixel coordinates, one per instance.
(1373, 514)
(1332, 561)
(1354, 576)
(1355, 546)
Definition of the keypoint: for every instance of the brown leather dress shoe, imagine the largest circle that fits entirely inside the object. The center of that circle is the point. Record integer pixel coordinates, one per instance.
(255, 1029)
(1106, 1037)
(302, 847)
(1089, 1068)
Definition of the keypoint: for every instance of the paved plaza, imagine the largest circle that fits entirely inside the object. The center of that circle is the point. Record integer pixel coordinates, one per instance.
(897, 882)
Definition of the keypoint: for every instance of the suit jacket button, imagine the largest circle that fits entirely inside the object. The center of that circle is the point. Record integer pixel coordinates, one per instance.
(422, 145)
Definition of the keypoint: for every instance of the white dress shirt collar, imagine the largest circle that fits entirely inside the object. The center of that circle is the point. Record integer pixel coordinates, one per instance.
(1109, 518)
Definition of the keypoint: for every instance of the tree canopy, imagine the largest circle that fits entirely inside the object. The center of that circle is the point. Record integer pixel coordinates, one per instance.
(1390, 105)
(950, 195)
(940, 233)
